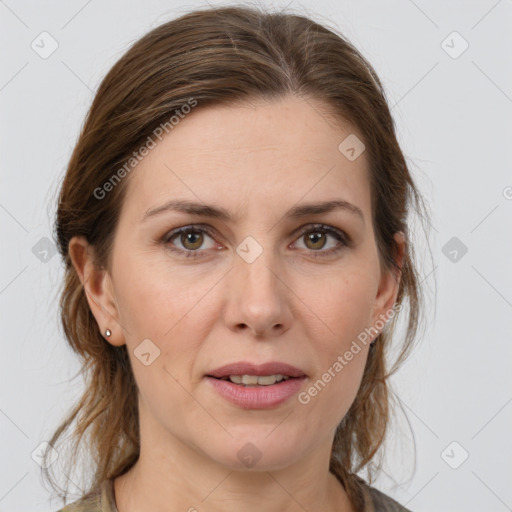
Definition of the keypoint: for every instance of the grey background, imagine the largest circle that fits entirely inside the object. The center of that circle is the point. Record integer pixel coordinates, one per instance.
(453, 115)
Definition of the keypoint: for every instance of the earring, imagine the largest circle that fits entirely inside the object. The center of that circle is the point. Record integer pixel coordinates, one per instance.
(108, 333)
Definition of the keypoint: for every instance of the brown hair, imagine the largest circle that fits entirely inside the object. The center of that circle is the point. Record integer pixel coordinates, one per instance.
(221, 56)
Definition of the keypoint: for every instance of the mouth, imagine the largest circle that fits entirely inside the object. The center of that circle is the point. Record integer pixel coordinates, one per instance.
(252, 386)
(250, 374)
(256, 380)
(247, 383)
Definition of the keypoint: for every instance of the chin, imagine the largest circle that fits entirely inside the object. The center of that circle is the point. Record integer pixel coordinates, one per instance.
(257, 451)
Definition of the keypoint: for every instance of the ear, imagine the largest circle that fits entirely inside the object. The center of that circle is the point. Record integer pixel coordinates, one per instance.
(388, 286)
(98, 289)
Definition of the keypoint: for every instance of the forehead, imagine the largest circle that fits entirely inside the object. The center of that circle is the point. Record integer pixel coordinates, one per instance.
(249, 155)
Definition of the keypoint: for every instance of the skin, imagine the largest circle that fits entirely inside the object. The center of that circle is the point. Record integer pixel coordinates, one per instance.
(257, 161)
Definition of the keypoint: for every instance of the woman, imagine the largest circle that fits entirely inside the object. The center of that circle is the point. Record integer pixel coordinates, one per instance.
(233, 222)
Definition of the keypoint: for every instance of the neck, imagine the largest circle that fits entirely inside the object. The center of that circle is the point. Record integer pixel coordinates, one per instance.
(193, 483)
(273, 491)
(172, 476)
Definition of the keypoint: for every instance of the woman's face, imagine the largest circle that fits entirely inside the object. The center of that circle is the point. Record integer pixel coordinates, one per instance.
(268, 281)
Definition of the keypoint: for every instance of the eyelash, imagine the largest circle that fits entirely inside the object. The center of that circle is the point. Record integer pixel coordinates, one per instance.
(317, 228)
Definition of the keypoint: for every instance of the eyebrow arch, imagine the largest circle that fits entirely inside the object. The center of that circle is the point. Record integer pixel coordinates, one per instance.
(215, 212)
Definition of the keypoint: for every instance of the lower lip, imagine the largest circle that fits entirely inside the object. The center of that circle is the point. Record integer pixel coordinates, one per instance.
(257, 397)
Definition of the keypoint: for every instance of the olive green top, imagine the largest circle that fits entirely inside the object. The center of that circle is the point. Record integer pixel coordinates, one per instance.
(103, 500)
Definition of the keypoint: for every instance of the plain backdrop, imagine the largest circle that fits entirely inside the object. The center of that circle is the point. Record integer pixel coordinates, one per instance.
(447, 72)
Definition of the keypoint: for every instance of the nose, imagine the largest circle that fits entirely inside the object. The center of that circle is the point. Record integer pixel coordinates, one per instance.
(258, 298)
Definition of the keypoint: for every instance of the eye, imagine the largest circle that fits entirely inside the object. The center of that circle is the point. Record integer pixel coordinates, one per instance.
(191, 239)
(316, 239)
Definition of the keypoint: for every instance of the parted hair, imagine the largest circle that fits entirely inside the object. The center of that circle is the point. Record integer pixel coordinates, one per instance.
(222, 56)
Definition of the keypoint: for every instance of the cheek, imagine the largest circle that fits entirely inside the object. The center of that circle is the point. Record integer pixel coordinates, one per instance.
(329, 395)
(345, 305)
(174, 311)
(154, 298)
(158, 303)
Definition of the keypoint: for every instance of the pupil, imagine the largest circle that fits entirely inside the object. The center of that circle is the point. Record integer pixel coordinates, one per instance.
(194, 239)
(314, 237)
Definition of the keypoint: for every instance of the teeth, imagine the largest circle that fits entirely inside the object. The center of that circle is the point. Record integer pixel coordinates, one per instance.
(255, 380)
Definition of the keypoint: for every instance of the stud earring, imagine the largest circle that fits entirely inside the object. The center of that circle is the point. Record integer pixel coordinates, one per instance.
(108, 333)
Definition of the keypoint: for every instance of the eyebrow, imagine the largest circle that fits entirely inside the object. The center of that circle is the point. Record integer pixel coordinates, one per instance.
(217, 212)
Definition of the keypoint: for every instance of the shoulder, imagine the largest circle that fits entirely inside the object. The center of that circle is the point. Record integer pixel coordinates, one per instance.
(377, 501)
(384, 503)
(99, 499)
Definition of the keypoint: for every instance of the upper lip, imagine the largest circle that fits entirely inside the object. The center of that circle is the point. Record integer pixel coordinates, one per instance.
(246, 368)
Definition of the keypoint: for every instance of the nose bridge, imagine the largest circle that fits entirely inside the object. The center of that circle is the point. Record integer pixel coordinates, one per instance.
(258, 298)
(256, 266)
